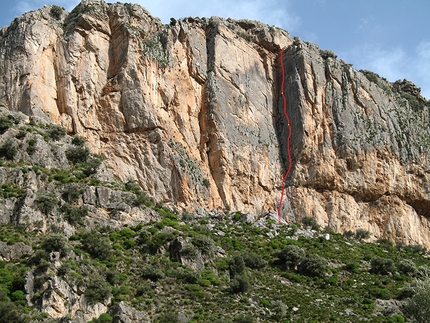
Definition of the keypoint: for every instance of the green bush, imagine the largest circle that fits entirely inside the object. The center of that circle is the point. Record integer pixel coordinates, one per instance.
(55, 242)
(168, 317)
(384, 266)
(72, 192)
(313, 266)
(152, 273)
(236, 265)
(239, 284)
(407, 267)
(92, 164)
(31, 147)
(8, 191)
(73, 214)
(204, 243)
(46, 202)
(96, 245)
(279, 310)
(9, 313)
(189, 251)
(78, 141)
(325, 54)
(56, 12)
(311, 222)
(8, 150)
(253, 260)
(6, 122)
(291, 256)
(187, 275)
(98, 290)
(56, 132)
(362, 234)
(348, 234)
(78, 154)
(417, 307)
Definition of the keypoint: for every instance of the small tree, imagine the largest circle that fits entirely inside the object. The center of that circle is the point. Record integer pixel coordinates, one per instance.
(46, 202)
(417, 307)
(56, 132)
(311, 222)
(362, 234)
(97, 245)
(239, 284)
(384, 266)
(407, 267)
(77, 154)
(98, 290)
(314, 266)
(236, 265)
(55, 242)
(291, 256)
(8, 150)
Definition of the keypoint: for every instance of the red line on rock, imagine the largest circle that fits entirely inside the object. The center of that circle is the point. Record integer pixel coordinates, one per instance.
(290, 132)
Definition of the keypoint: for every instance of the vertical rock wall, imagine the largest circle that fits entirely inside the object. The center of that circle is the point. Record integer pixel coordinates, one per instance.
(192, 110)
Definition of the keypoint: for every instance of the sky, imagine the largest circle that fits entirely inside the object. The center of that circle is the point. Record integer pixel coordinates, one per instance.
(389, 37)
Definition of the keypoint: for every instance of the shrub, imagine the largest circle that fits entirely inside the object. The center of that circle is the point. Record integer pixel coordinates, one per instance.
(311, 222)
(236, 265)
(239, 284)
(187, 275)
(8, 150)
(168, 317)
(407, 267)
(291, 256)
(78, 154)
(348, 234)
(279, 310)
(30, 148)
(313, 266)
(204, 243)
(361, 234)
(56, 132)
(96, 245)
(417, 307)
(73, 214)
(9, 312)
(417, 249)
(56, 12)
(396, 318)
(244, 318)
(92, 164)
(78, 141)
(252, 260)
(71, 192)
(384, 266)
(55, 242)
(325, 54)
(46, 202)
(189, 251)
(97, 290)
(152, 273)
(5, 123)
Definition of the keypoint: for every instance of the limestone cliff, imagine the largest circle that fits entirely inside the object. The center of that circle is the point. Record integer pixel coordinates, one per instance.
(192, 111)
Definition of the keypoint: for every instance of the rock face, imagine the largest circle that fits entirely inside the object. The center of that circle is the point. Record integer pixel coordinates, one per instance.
(193, 112)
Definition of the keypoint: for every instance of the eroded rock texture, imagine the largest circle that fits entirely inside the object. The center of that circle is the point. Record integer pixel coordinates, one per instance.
(193, 112)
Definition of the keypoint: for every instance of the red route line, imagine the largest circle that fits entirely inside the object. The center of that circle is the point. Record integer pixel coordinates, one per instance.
(290, 132)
